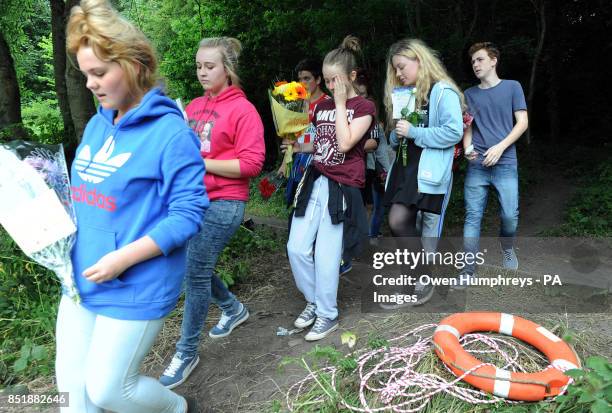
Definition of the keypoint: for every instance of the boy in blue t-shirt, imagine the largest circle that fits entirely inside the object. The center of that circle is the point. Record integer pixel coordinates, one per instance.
(500, 118)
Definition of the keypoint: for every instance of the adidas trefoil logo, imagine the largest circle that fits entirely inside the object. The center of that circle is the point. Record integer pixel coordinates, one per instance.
(102, 165)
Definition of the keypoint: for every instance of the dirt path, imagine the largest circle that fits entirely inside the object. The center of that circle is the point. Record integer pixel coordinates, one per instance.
(241, 373)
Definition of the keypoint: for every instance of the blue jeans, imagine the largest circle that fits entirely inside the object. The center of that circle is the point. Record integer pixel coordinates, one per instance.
(221, 220)
(98, 362)
(378, 211)
(504, 178)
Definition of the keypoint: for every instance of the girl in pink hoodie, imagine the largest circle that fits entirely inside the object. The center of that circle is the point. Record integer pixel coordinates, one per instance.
(232, 146)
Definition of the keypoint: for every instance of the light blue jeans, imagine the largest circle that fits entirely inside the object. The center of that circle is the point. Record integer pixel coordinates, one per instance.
(430, 225)
(221, 220)
(315, 266)
(504, 178)
(98, 362)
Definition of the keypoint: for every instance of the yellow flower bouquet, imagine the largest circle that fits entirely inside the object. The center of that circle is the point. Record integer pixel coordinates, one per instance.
(289, 113)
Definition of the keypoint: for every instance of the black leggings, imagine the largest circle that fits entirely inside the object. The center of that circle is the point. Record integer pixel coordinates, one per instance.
(402, 220)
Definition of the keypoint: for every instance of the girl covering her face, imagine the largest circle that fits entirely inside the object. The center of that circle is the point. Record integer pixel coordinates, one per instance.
(329, 212)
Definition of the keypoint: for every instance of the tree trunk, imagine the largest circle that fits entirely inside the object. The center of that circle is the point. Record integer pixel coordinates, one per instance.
(553, 65)
(58, 31)
(413, 11)
(541, 10)
(465, 36)
(10, 100)
(82, 106)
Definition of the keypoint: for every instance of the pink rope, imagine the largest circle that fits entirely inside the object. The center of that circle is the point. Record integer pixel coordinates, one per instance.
(388, 375)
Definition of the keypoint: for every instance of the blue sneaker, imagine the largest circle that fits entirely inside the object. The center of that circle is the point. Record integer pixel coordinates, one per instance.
(228, 322)
(179, 369)
(321, 329)
(509, 259)
(345, 267)
(307, 316)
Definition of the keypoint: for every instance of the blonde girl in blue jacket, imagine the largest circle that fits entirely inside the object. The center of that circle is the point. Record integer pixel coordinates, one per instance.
(421, 175)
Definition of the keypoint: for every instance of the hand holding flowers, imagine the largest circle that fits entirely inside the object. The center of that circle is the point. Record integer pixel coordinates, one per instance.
(408, 120)
(287, 100)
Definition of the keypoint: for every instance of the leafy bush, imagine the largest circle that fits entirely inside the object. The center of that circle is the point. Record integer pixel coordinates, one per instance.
(245, 246)
(30, 295)
(589, 211)
(591, 392)
(43, 120)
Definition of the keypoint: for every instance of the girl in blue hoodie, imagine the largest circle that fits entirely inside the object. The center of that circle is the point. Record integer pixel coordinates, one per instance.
(137, 187)
(421, 176)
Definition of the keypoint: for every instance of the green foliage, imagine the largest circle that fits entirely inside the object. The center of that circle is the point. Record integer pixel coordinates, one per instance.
(26, 25)
(275, 206)
(28, 308)
(376, 341)
(241, 252)
(43, 120)
(591, 392)
(592, 389)
(588, 213)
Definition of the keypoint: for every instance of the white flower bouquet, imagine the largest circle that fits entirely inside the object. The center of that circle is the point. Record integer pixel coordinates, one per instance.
(36, 208)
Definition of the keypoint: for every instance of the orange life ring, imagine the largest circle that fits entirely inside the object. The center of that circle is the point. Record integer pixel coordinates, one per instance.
(504, 383)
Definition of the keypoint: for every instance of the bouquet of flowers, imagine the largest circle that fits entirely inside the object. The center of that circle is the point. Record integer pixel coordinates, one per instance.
(269, 185)
(36, 208)
(404, 107)
(289, 114)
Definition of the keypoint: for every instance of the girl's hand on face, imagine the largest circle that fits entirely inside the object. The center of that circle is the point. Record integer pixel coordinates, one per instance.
(402, 128)
(340, 90)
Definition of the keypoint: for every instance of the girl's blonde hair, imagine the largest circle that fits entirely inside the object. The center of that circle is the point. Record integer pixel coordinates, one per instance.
(230, 50)
(431, 70)
(345, 56)
(96, 24)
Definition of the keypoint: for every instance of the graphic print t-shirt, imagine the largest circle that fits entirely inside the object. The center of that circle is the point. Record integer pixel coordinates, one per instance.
(346, 168)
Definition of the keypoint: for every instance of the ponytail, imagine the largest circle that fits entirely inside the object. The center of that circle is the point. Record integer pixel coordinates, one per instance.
(345, 56)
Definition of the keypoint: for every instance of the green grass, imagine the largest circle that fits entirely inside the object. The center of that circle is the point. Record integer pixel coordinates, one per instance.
(274, 207)
(28, 308)
(588, 213)
(235, 262)
(591, 392)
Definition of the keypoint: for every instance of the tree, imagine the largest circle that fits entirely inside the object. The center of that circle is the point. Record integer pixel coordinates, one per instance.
(540, 6)
(58, 31)
(80, 99)
(10, 100)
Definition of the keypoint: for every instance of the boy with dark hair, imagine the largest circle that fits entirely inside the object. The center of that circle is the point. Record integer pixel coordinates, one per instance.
(309, 73)
(500, 118)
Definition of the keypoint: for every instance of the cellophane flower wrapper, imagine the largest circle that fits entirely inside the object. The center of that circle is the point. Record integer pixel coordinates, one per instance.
(289, 115)
(37, 209)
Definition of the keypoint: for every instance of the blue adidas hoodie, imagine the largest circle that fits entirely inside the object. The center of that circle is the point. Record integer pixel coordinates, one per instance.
(142, 176)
